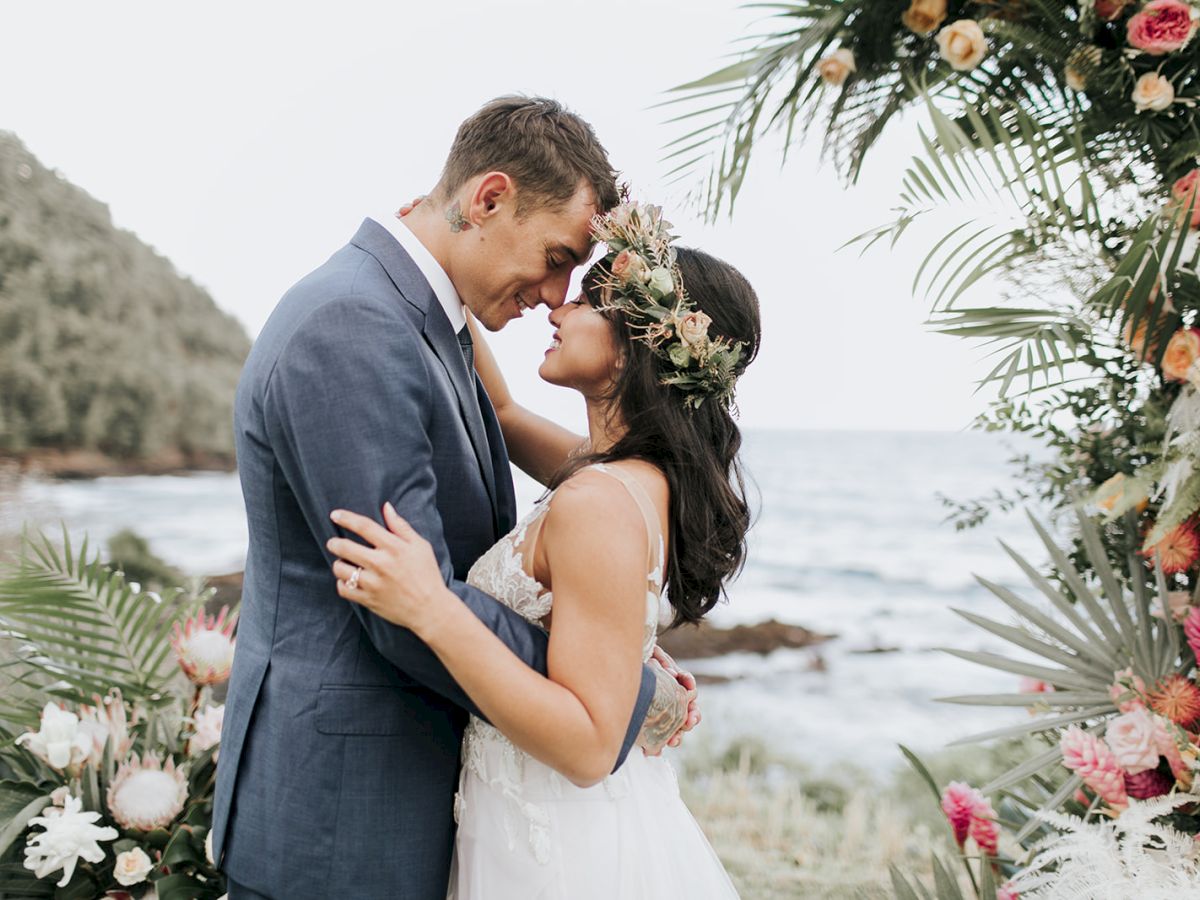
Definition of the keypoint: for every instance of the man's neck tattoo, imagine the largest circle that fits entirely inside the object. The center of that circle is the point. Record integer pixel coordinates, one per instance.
(458, 222)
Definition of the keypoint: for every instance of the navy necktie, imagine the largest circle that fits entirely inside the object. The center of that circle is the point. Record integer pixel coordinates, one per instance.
(467, 346)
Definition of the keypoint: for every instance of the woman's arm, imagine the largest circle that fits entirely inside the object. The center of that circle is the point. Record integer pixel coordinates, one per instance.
(595, 544)
(538, 446)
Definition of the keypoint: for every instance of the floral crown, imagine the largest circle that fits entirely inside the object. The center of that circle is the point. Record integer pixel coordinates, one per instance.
(640, 279)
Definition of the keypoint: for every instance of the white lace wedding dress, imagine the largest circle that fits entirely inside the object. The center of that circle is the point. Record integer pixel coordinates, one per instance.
(525, 832)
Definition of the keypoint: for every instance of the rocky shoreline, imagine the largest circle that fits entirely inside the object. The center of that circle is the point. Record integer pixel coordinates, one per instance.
(85, 464)
(688, 642)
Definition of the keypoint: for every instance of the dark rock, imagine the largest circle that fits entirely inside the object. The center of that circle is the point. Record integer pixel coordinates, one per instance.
(704, 641)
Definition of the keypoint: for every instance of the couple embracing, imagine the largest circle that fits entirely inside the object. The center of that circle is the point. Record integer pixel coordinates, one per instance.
(429, 698)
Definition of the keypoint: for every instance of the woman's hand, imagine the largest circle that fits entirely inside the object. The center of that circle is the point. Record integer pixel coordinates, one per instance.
(397, 577)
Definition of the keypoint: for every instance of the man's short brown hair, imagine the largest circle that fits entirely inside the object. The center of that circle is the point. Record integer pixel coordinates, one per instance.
(545, 148)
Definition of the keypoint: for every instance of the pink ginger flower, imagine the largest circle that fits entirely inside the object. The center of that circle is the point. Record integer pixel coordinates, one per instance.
(958, 803)
(1006, 891)
(1034, 686)
(1148, 784)
(1089, 757)
(205, 646)
(983, 828)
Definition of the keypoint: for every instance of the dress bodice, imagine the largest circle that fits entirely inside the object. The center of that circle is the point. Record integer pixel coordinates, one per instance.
(501, 572)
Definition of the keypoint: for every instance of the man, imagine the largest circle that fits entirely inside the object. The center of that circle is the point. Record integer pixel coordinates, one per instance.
(339, 753)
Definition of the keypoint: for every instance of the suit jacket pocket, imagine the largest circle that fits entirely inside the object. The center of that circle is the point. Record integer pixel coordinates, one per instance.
(361, 709)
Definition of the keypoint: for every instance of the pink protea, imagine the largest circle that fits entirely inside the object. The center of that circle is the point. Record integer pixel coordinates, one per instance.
(204, 647)
(983, 828)
(145, 794)
(1151, 783)
(959, 801)
(1093, 761)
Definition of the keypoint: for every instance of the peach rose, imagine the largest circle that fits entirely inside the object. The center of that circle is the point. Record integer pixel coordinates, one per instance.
(1080, 65)
(1108, 10)
(962, 44)
(1112, 492)
(132, 867)
(1182, 350)
(1162, 26)
(924, 16)
(1178, 602)
(837, 67)
(1130, 736)
(693, 329)
(629, 267)
(1127, 691)
(1153, 92)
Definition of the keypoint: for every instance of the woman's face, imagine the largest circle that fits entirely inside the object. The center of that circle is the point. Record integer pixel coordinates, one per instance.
(583, 352)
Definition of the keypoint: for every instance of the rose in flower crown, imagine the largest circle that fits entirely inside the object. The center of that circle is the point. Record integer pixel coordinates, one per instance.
(640, 279)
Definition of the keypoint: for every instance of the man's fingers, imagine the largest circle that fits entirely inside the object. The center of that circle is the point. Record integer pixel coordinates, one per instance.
(367, 529)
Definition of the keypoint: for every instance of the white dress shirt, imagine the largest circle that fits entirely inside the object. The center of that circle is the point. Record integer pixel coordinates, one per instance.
(432, 270)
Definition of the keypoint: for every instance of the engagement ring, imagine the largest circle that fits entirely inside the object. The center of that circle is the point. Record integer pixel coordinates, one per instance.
(353, 582)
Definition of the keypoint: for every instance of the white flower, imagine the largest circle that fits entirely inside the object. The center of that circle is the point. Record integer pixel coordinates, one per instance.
(962, 44)
(106, 723)
(146, 795)
(205, 646)
(837, 67)
(1153, 92)
(132, 867)
(59, 796)
(660, 282)
(207, 728)
(69, 836)
(208, 850)
(58, 742)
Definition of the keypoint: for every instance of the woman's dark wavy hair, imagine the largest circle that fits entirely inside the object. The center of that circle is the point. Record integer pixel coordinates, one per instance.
(697, 449)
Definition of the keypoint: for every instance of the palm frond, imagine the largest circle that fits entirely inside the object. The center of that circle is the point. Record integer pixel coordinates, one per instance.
(82, 629)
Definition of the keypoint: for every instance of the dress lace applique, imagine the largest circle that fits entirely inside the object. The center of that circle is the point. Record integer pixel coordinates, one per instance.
(486, 752)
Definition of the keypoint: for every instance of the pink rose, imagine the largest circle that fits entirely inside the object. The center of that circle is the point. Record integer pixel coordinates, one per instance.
(1127, 691)
(1162, 26)
(693, 329)
(1131, 739)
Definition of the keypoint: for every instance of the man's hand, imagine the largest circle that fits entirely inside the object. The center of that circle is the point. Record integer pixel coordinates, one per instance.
(668, 714)
(688, 682)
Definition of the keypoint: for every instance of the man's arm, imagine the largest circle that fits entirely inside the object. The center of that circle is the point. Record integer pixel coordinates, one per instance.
(347, 410)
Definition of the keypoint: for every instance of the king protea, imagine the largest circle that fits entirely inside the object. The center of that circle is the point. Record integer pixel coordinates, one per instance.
(204, 647)
(145, 794)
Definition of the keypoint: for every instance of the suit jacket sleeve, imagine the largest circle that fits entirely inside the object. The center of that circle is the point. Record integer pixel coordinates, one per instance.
(347, 410)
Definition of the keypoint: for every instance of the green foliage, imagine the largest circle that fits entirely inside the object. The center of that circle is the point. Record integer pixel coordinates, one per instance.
(103, 345)
(130, 553)
(78, 629)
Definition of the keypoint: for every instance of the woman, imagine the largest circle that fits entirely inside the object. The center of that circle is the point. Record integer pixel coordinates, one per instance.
(652, 500)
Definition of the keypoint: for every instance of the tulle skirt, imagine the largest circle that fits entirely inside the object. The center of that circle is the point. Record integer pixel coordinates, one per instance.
(526, 833)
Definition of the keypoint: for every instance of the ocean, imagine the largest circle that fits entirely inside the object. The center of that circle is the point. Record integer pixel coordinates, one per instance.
(850, 539)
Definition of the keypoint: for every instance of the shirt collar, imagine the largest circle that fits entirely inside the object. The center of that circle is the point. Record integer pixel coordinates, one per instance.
(442, 286)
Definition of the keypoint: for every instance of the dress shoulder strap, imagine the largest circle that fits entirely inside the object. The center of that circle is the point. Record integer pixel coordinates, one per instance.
(649, 514)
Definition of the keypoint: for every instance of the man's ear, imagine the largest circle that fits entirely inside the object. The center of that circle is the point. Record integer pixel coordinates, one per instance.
(494, 192)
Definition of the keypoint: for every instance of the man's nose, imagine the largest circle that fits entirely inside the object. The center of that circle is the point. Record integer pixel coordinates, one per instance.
(553, 291)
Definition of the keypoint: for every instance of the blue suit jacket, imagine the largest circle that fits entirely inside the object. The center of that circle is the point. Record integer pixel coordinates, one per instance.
(340, 748)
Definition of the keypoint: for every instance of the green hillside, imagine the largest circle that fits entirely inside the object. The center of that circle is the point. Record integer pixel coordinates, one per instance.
(103, 345)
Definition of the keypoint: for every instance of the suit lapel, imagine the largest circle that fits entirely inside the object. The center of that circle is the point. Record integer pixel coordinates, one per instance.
(439, 335)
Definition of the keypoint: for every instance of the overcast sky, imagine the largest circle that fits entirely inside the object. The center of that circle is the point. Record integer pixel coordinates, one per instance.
(246, 141)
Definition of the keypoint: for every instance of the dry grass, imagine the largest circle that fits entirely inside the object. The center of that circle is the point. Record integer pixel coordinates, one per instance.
(783, 832)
